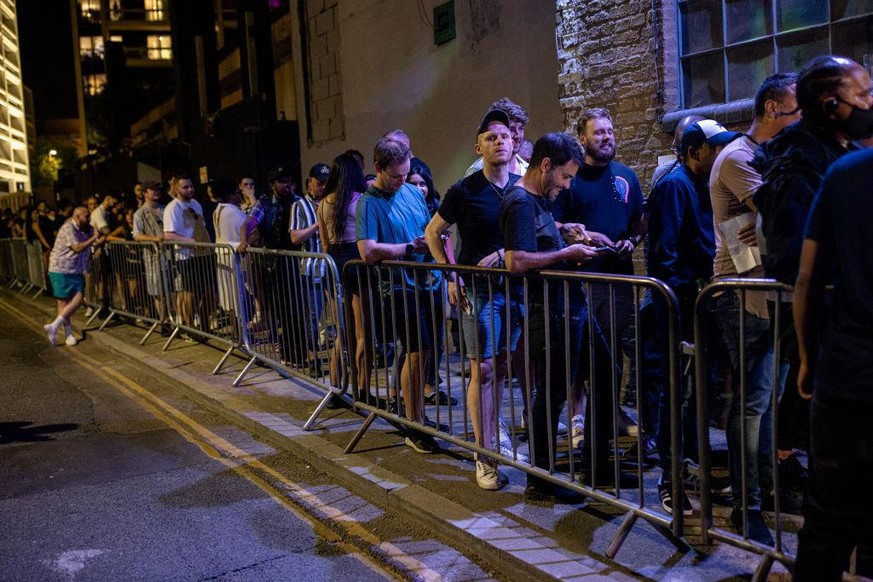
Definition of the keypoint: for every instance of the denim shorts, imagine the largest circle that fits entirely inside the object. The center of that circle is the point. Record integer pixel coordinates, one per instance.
(486, 324)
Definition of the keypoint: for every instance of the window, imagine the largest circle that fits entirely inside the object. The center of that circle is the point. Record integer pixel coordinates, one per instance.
(159, 47)
(91, 46)
(90, 9)
(94, 84)
(728, 47)
(155, 9)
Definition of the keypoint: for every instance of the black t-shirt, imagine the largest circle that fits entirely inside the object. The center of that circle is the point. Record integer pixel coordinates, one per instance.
(473, 203)
(606, 199)
(840, 221)
(527, 224)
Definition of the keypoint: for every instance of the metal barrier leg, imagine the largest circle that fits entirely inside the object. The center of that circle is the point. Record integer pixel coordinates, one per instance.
(170, 339)
(321, 406)
(94, 316)
(149, 333)
(618, 539)
(37, 294)
(763, 569)
(350, 448)
(223, 360)
(245, 371)
(108, 319)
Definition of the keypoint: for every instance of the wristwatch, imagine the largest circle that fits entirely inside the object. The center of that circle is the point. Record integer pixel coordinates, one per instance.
(409, 249)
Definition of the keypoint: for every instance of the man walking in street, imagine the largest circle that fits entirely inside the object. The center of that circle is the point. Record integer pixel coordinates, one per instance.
(68, 263)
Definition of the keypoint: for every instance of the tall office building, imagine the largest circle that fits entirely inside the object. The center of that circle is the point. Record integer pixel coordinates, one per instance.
(14, 169)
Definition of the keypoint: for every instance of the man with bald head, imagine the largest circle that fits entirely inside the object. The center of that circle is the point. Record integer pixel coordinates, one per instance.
(68, 263)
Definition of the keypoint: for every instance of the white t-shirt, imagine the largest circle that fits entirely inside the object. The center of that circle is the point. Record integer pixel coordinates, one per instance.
(228, 220)
(182, 217)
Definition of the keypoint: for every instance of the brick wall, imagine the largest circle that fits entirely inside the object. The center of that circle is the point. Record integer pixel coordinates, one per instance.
(327, 118)
(612, 56)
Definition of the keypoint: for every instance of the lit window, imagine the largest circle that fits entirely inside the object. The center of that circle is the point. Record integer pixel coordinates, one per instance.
(91, 46)
(155, 9)
(90, 9)
(94, 84)
(728, 47)
(159, 47)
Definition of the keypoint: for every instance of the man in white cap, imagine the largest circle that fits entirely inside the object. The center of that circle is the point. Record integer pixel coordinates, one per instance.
(681, 251)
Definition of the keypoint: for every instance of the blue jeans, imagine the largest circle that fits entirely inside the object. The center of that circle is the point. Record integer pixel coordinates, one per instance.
(757, 415)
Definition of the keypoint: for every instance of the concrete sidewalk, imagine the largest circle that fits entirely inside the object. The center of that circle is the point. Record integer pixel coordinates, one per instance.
(439, 492)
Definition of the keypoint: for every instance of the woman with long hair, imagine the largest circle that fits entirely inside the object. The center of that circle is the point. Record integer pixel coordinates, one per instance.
(336, 227)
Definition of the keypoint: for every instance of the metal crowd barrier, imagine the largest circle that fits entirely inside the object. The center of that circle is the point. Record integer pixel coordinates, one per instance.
(7, 269)
(291, 316)
(550, 347)
(37, 274)
(138, 279)
(96, 284)
(196, 294)
(779, 294)
(20, 267)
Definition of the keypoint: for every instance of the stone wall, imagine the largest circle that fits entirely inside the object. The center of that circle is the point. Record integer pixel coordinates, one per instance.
(612, 55)
(327, 118)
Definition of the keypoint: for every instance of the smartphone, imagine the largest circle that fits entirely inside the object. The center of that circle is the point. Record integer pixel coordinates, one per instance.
(607, 249)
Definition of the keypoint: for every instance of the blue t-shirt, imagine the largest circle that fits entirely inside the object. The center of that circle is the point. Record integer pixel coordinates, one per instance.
(606, 199)
(393, 218)
(840, 219)
(681, 237)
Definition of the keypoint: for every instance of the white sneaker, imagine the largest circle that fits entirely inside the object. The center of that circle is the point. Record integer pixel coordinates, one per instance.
(626, 425)
(562, 429)
(51, 331)
(504, 437)
(577, 435)
(89, 311)
(71, 341)
(488, 477)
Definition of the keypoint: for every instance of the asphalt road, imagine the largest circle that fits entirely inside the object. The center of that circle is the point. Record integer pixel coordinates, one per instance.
(99, 481)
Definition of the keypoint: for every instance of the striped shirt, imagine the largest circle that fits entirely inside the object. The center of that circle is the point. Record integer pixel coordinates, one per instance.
(303, 215)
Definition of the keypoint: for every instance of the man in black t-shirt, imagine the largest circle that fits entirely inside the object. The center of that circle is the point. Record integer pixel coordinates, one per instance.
(532, 242)
(604, 196)
(473, 204)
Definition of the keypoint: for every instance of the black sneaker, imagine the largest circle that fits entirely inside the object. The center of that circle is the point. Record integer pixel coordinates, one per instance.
(665, 492)
(792, 473)
(422, 443)
(441, 398)
(758, 530)
(335, 403)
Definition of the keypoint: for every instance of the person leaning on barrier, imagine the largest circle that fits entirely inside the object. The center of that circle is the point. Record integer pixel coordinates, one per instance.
(68, 264)
(148, 226)
(391, 218)
(532, 242)
(681, 249)
(836, 373)
(732, 183)
(228, 218)
(473, 203)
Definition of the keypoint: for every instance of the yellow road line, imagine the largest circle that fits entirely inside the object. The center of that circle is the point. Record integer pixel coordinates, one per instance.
(240, 461)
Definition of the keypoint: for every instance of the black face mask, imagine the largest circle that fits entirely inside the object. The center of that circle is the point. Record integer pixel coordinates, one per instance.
(859, 123)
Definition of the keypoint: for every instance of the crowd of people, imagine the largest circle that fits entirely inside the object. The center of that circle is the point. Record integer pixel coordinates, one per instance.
(731, 204)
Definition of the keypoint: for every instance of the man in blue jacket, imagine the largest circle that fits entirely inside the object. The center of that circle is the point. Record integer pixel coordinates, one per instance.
(680, 253)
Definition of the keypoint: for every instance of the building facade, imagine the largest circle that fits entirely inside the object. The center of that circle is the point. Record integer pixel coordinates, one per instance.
(14, 164)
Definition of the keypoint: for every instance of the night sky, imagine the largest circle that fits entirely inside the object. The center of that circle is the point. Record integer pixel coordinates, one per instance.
(46, 41)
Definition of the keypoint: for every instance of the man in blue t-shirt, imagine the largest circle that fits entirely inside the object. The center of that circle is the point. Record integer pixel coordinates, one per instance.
(837, 376)
(391, 218)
